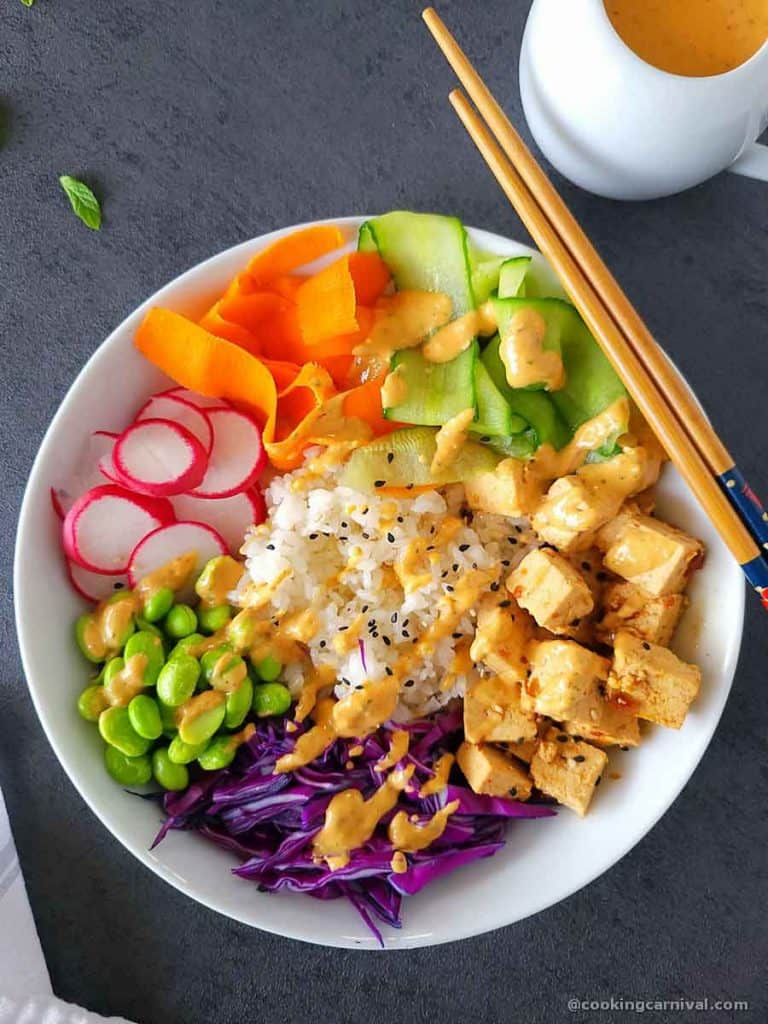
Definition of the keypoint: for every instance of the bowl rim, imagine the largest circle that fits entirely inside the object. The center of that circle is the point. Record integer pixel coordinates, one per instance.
(468, 926)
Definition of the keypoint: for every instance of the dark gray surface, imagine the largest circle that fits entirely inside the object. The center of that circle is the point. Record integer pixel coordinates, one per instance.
(204, 123)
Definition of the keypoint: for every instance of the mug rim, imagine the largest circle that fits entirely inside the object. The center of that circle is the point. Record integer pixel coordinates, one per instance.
(761, 50)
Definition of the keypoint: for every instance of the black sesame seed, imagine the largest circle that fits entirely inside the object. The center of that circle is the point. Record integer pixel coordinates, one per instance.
(562, 738)
(457, 636)
(602, 576)
(599, 780)
(443, 574)
(474, 565)
(270, 547)
(393, 617)
(586, 566)
(322, 643)
(577, 738)
(431, 547)
(313, 536)
(365, 608)
(485, 438)
(342, 628)
(409, 487)
(580, 758)
(344, 526)
(371, 622)
(400, 519)
(513, 791)
(432, 530)
(415, 640)
(390, 457)
(391, 538)
(410, 682)
(455, 566)
(343, 538)
(506, 562)
(623, 748)
(576, 623)
(379, 483)
(406, 634)
(646, 646)
(504, 604)
(366, 536)
(519, 529)
(449, 588)
(359, 686)
(375, 635)
(365, 511)
(118, 586)
(495, 587)
(406, 621)
(386, 640)
(512, 540)
(388, 670)
(463, 547)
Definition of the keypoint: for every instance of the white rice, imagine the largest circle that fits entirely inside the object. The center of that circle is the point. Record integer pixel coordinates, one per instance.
(317, 530)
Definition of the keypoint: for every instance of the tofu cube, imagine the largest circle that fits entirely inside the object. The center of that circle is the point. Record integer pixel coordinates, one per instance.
(657, 557)
(629, 607)
(492, 772)
(604, 722)
(501, 639)
(562, 673)
(567, 769)
(548, 586)
(651, 681)
(492, 712)
(506, 491)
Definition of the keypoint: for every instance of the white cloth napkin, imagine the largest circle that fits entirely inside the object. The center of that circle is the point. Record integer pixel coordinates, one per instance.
(25, 987)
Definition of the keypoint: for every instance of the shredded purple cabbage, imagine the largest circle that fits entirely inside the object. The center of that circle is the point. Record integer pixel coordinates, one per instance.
(269, 821)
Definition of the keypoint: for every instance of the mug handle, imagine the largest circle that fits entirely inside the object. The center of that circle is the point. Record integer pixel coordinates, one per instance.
(753, 162)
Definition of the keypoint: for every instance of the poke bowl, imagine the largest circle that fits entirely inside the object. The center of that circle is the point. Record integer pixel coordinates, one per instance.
(541, 861)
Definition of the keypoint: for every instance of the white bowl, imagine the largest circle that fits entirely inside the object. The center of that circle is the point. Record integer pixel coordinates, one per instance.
(544, 860)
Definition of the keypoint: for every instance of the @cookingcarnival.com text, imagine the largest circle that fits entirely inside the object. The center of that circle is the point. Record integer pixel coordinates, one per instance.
(680, 1005)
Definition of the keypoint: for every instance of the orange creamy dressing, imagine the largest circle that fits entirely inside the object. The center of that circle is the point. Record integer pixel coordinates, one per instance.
(525, 359)
(691, 37)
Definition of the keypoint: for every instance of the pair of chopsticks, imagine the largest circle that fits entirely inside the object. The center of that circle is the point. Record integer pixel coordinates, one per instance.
(660, 393)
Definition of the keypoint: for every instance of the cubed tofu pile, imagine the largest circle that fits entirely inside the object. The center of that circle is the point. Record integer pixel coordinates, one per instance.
(576, 654)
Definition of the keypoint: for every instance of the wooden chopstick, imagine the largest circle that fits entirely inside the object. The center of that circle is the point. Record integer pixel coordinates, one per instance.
(693, 464)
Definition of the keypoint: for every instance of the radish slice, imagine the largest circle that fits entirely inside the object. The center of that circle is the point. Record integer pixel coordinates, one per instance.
(103, 443)
(179, 410)
(161, 546)
(230, 517)
(103, 527)
(93, 465)
(201, 401)
(159, 458)
(95, 586)
(237, 456)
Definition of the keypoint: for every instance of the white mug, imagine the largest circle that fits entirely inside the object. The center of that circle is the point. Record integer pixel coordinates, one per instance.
(622, 128)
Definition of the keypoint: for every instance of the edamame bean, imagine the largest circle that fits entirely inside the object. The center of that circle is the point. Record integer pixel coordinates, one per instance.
(128, 771)
(238, 704)
(269, 669)
(158, 605)
(116, 729)
(210, 658)
(145, 717)
(202, 717)
(271, 699)
(117, 626)
(151, 646)
(180, 621)
(183, 645)
(168, 718)
(168, 774)
(228, 672)
(91, 702)
(111, 669)
(219, 753)
(88, 648)
(177, 680)
(184, 753)
(220, 575)
(213, 619)
(241, 632)
(149, 627)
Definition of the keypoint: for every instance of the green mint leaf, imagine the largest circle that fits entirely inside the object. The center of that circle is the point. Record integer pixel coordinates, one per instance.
(27, 3)
(83, 201)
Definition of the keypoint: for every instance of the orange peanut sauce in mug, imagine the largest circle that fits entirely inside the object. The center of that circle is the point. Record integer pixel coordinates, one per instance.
(695, 38)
